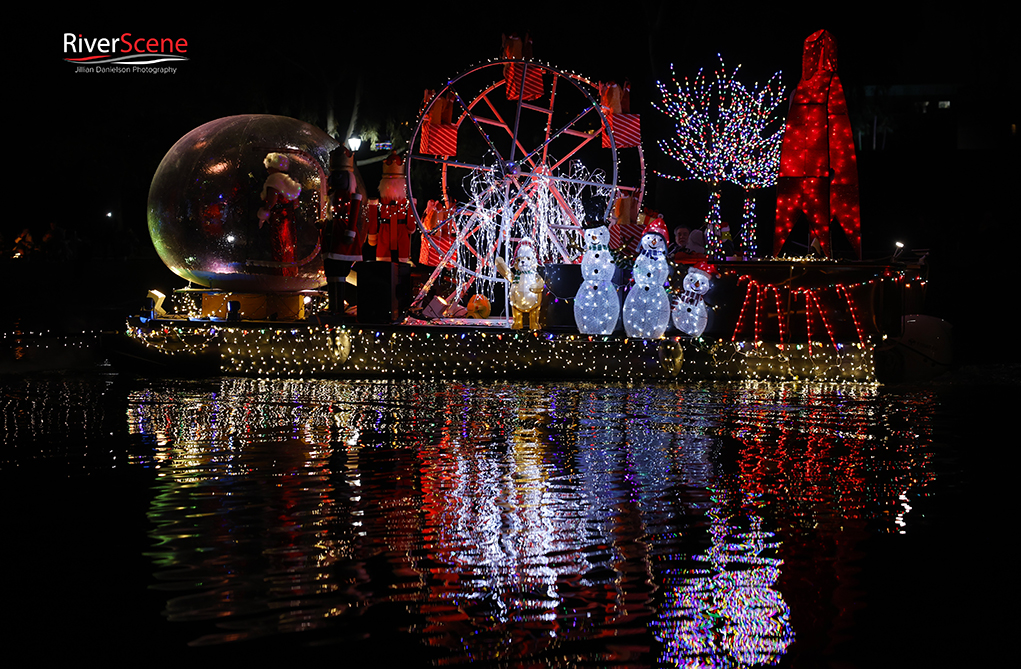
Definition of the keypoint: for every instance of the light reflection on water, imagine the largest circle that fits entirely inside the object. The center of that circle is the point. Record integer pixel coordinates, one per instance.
(513, 521)
(523, 524)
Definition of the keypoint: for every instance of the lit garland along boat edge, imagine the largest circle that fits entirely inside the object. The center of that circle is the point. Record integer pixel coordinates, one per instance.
(770, 320)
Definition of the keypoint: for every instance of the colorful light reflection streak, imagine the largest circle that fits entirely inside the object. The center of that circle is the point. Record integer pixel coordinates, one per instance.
(725, 610)
(517, 520)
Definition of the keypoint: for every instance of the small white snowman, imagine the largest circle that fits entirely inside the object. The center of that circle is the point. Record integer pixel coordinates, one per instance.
(596, 306)
(647, 307)
(690, 313)
(526, 285)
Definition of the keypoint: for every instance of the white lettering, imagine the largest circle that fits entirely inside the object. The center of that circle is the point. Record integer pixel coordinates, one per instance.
(85, 45)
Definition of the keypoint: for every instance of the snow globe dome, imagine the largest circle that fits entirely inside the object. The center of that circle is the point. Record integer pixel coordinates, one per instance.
(213, 218)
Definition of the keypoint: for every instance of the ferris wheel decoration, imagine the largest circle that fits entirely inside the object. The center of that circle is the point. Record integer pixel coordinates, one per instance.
(506, 150)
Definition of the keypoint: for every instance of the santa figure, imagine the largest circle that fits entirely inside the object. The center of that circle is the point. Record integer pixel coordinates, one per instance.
(390, 219)
(280, 200)
(344, 229)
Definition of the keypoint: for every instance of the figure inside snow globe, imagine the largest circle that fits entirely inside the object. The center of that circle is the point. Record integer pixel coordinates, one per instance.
(280, 199)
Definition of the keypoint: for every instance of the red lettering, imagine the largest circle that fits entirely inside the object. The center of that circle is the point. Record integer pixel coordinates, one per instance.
(150, 44)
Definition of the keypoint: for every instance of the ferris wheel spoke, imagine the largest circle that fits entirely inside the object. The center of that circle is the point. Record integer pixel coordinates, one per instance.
(483, 258)
(586, 140)
(499, 122)
(549, 117)
(452, 163)
(530, 203)
(571, 180)
(566, 129)
(564, 206)
(517, 109)
(478, 126)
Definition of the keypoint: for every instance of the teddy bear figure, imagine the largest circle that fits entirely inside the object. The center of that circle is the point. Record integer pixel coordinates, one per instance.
(526, 285)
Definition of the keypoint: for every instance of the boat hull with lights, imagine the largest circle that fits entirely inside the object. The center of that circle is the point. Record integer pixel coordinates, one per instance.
(770, 320)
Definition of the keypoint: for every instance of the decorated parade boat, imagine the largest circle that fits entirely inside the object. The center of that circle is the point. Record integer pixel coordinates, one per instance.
(525, 186)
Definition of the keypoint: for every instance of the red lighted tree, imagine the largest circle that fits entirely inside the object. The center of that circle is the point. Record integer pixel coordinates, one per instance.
(818, 171)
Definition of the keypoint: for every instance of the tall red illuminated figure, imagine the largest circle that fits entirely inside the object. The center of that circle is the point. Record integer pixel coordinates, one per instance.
(818, 171)
(391, 223)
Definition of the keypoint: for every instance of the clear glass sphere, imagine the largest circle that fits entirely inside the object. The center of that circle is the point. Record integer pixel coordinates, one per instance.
(208, 193)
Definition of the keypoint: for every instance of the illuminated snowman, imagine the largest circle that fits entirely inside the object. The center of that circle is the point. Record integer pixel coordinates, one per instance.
(647, 307)
(597, 306)
(690, 313)
(526, 285)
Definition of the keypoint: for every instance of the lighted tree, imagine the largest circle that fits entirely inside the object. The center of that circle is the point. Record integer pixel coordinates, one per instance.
(757, 162)
(723, 134)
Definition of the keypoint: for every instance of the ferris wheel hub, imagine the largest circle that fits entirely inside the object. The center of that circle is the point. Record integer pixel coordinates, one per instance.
(512, 165)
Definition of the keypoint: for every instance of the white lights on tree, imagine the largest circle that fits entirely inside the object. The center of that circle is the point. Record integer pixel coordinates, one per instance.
(724, 132)
(690, 313)
(597, 306)
(647, 307)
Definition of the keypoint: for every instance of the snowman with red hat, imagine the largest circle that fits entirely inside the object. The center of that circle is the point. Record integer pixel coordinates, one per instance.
(647, 307)
(690, 313)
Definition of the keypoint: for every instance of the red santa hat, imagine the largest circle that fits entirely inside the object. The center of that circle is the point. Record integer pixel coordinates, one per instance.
(526, 242)
(704, 267)
(656, 226)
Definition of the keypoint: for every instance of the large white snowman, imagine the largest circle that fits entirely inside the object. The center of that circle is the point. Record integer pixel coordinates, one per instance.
(597, 306)
(647, 307)
(690, 313)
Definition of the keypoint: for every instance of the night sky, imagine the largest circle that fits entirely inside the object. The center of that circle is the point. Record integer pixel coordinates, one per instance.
(107, 132)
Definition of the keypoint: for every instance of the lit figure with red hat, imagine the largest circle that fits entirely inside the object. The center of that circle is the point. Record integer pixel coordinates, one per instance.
(690, 313)
(280, 196)
(390, 225)
(647, 307)
(526, 285)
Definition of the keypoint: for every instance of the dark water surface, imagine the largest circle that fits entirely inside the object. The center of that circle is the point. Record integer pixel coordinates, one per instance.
(553, 524)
